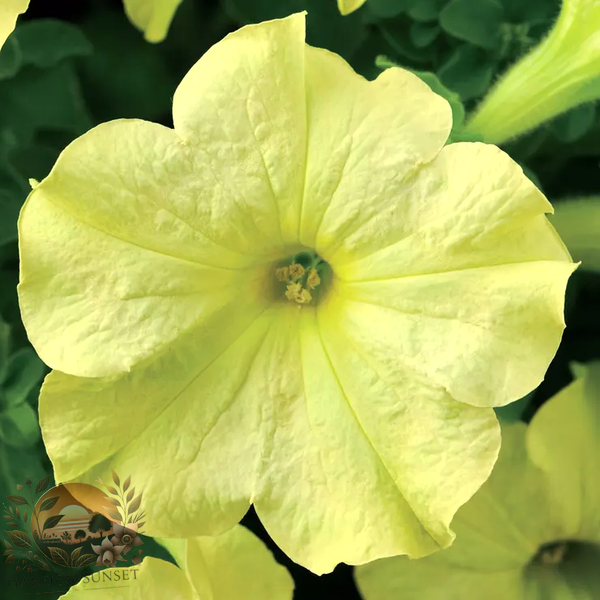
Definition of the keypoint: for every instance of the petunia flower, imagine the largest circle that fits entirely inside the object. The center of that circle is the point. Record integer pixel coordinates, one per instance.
(357, 421)
(233, 566)
(533, 530)
(126, 537)
(9, 11)
(349, 6)
(153, 17)
(562, 72)
(108, 553)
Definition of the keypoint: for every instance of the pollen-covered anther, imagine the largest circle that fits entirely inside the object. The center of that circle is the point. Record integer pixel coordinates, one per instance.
(313, 279)
(283, 274)
(296, 293)
(296, 271)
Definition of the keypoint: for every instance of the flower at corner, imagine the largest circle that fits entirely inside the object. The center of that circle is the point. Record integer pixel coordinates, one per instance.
(532, 531)
(349, 6)
(9, 12)
(232, 566)
(153, 17)
(126, 537)
(562, 72)
(350, 400)
(108, 553)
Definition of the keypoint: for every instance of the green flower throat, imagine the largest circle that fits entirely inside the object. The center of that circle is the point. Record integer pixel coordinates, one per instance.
(303, 278)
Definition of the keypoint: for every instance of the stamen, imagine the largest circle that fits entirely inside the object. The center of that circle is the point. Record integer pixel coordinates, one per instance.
(313, 279)
(296, 271)
(282, 274)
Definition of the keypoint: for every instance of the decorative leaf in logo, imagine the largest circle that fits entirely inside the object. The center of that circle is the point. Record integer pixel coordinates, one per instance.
(19, 539)
(116, 478)
(7, 545)
(59, 556)
(85, 560)
(52, 522)
(10, 558)
(135, 504)
(126, 484)
(43, 565)
(49, 503)
(12, 524)
(130, 495)
(25, 517)
(17, 500)
(75, 555)
(42, 484)
(113, 513)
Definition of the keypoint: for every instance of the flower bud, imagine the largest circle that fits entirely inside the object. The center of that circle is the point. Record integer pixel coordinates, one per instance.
(560, 73)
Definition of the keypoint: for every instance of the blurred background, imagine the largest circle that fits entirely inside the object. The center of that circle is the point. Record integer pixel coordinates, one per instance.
(103, 69)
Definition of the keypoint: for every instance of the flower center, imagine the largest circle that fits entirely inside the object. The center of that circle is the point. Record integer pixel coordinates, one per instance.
(303, 278)
(126, 539)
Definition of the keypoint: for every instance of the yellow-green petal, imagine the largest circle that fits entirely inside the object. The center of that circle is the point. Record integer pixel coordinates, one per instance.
(153, 17)
(9, 11)
(348, 6)
(233, 566)
(266, 421)
(543, 489)
(153, 578)
(196, 439)
(578, 223)
(363, 151)
(241, 109)
(472, 261)
(498, 531)
(109, 206)
(564, 442)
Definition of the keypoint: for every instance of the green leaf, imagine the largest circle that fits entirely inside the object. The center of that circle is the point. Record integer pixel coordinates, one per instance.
(46, 42)
(573, 125)
(19, 426)
(19, 539)
(475, 22)
(425, 10)
(43, 99)
(397, 33)
(59, 556)
(513, 412)
(387, 8)
(531, 11)
(49, 503)
(325, 26)
(4, 347)
(130, 79)
(52, 521)
(24, 372)
(468, 71)
(423, 34)
(10, 58)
